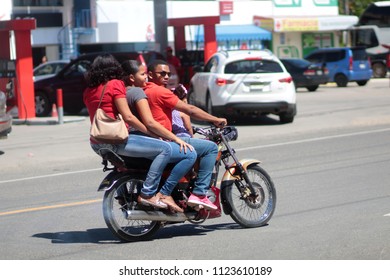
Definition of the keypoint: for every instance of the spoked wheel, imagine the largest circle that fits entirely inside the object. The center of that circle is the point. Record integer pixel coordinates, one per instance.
(249, 211)
(120, 198)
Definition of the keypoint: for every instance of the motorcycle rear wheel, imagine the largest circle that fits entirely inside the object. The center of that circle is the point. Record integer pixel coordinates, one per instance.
(118, 199)
(252, 212)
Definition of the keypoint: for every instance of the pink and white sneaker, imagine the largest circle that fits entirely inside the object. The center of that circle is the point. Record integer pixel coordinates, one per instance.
(195, 200)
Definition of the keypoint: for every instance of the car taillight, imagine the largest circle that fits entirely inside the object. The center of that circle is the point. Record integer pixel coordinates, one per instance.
(325, 70)
(388, 60)
(351, 63)
(223, 82)
(309, 72)
(286, 80)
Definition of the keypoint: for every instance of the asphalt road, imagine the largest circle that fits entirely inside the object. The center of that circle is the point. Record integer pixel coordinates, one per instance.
(330, 168)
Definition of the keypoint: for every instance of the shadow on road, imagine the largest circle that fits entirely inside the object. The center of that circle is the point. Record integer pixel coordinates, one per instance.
(104, 236)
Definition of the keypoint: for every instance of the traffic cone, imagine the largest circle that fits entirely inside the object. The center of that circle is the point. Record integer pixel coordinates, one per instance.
(54, 112)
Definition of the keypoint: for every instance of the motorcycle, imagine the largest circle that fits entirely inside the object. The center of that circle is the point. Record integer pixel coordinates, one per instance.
(246, 191)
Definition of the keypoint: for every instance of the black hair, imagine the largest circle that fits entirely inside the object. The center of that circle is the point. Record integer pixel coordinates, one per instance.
(130, 67)
(103, 69)
(152, 66)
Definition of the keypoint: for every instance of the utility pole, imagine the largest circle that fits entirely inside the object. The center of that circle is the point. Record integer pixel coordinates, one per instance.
(160, 24)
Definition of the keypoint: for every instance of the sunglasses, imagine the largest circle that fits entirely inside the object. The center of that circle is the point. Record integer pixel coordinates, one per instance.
(163, 73)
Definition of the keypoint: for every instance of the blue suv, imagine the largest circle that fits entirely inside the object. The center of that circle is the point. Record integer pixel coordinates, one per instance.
(344, 64)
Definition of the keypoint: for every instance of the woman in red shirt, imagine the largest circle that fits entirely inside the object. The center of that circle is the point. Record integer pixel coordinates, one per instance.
(106, 70)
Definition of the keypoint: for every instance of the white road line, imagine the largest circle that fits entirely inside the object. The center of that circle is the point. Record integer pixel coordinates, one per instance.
(241, 149)
(49, 175)
(314, 139)
(387, 215)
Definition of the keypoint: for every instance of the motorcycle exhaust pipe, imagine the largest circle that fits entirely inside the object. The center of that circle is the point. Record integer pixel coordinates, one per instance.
(159, 216)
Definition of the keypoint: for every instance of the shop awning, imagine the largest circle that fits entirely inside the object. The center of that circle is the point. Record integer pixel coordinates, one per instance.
(236, 32)
(300, 24)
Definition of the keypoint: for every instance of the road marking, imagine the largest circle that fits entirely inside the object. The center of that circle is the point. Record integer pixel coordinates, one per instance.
(49, 175)
(50, 207)
(239, 149)
(313, 139)
(388, 215)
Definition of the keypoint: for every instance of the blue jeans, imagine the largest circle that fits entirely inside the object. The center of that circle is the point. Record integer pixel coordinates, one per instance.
(207, 152)
(184, 163)
(157, 150)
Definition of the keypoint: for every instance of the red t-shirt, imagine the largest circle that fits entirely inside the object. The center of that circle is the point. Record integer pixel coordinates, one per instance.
(114, 89)
(161, 102)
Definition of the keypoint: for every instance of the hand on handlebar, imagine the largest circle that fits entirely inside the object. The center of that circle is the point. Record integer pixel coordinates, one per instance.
(220, 122)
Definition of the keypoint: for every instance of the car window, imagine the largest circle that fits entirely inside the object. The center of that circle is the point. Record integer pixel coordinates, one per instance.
(211, 64)
(298, 63)
(334, 56)
(44, 70)
(79, 67)
(316, 57)
(253, 66)
(359, 54)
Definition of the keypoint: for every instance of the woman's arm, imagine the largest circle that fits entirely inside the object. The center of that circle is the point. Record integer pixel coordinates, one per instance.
(128, 117)
(157, 128)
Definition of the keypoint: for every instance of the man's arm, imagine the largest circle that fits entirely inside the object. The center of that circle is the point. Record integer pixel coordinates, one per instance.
(199, 114)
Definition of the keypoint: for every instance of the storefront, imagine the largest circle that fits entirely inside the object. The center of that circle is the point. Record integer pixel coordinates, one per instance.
(232, 37)
(298, 36)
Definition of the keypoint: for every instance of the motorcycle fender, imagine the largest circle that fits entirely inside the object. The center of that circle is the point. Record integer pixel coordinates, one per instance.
(229, 174)
(109, 181)
(228, 180)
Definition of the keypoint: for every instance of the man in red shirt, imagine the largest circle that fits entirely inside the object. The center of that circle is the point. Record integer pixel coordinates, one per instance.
(162, 101)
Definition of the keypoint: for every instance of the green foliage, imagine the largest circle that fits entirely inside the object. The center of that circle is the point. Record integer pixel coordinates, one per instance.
(356, 8)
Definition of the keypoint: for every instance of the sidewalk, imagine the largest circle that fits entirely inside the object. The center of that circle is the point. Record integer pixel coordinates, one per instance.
(48, 120)
(44, 143)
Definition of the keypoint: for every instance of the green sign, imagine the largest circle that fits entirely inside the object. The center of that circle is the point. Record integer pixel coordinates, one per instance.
(298, 3)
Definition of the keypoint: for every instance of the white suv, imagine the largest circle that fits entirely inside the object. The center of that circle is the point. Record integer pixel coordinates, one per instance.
(244, 82)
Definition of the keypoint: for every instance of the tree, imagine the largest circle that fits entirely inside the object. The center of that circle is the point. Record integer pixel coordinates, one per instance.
(351, 7)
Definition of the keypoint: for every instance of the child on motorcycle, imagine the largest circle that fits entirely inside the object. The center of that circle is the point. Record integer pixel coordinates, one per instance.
(181, 122)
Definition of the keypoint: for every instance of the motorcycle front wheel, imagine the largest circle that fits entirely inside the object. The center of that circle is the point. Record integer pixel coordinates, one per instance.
(116, 201)
(249, 211)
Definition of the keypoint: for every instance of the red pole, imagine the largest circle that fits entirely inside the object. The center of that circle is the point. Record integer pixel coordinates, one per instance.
(60, 106)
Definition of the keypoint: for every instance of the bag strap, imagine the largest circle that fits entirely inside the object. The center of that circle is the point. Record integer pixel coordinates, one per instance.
(101, 97)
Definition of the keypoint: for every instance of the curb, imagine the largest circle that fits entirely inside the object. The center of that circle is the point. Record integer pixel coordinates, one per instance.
(46, 121)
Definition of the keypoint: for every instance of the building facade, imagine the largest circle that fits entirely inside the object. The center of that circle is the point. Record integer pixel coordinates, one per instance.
(66, 28)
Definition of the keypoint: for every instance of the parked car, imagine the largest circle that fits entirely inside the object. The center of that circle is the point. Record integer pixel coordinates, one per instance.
(344, 64)
(71, 80)
(49, 69)
(5, 118)
(244, 82)
(306, 74)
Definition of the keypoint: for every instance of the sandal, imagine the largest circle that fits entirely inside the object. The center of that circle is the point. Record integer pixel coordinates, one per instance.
(152, 201)
(168, 200)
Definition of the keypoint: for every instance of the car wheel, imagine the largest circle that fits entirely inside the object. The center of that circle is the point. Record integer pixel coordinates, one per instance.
(362, 83)
(341, 80)
(42, 104)
(379, 70)
(312, 88)
(209, 104)
(288, 117)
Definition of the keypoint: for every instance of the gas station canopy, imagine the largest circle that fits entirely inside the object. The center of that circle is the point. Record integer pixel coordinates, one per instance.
(236, 32)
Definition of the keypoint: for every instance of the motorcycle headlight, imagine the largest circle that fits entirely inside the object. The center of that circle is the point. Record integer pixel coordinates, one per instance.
(230, 133)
